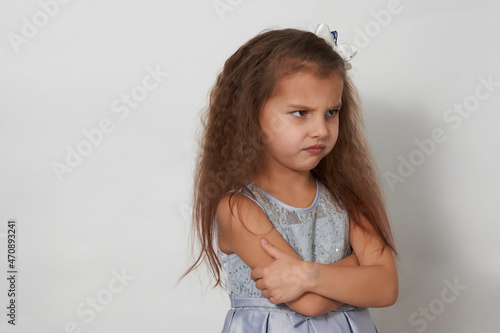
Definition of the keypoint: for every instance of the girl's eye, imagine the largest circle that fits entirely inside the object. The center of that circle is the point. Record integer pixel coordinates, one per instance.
(300, 113)
(331, 113)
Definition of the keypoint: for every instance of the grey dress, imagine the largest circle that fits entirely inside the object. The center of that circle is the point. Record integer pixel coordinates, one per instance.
(319, 233)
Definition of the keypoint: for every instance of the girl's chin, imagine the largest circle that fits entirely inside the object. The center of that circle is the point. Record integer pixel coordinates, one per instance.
(307, 167)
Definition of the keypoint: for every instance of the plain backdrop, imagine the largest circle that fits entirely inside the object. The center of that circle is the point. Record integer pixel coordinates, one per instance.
(99, 110)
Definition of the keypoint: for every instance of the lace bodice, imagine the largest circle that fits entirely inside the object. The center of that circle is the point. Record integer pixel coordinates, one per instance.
(318, 233)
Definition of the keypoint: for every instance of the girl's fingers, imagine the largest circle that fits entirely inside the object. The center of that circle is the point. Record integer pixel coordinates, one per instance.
(260, 284)
(270, 249)
(257, 274)
(265, 293)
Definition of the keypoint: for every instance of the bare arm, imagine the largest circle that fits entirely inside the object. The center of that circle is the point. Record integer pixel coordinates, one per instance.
(374, 283)
(240, 232)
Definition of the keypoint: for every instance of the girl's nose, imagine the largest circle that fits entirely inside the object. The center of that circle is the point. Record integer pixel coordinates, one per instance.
(319, 128)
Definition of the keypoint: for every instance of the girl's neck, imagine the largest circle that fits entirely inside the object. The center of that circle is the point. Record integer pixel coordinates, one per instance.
(296, 189)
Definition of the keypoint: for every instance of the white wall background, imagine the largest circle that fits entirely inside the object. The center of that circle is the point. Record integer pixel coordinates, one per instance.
(123, 208)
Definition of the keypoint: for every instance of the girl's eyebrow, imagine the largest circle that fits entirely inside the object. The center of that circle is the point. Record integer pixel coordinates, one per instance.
(304, 107)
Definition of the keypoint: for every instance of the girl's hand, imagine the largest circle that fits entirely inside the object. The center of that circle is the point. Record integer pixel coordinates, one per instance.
(284, 279)
(239, 227)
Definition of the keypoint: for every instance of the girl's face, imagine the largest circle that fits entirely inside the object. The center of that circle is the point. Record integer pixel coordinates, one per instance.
(301, 123)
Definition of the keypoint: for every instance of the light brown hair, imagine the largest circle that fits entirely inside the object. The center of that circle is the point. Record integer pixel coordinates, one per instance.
(232, 140)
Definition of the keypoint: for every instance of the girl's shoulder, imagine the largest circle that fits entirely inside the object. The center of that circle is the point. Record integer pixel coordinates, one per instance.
(236, 214)
(240, 198)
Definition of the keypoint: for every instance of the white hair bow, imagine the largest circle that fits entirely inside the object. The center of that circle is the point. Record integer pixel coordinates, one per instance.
(346, 51)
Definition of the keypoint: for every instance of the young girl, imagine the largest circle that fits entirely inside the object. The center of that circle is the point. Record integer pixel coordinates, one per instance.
(286, 189)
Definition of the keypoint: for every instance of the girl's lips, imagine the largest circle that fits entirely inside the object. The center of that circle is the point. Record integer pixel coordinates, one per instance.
(315, 150)
(316, 147)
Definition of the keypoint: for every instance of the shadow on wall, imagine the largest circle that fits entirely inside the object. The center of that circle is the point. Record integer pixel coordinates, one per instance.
(406, 147)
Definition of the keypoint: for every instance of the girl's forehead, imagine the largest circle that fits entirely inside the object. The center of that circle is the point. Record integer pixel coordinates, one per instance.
(296, 82)
(308, 90)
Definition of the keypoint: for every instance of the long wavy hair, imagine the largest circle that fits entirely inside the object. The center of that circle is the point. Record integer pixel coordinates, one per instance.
(232, 140)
